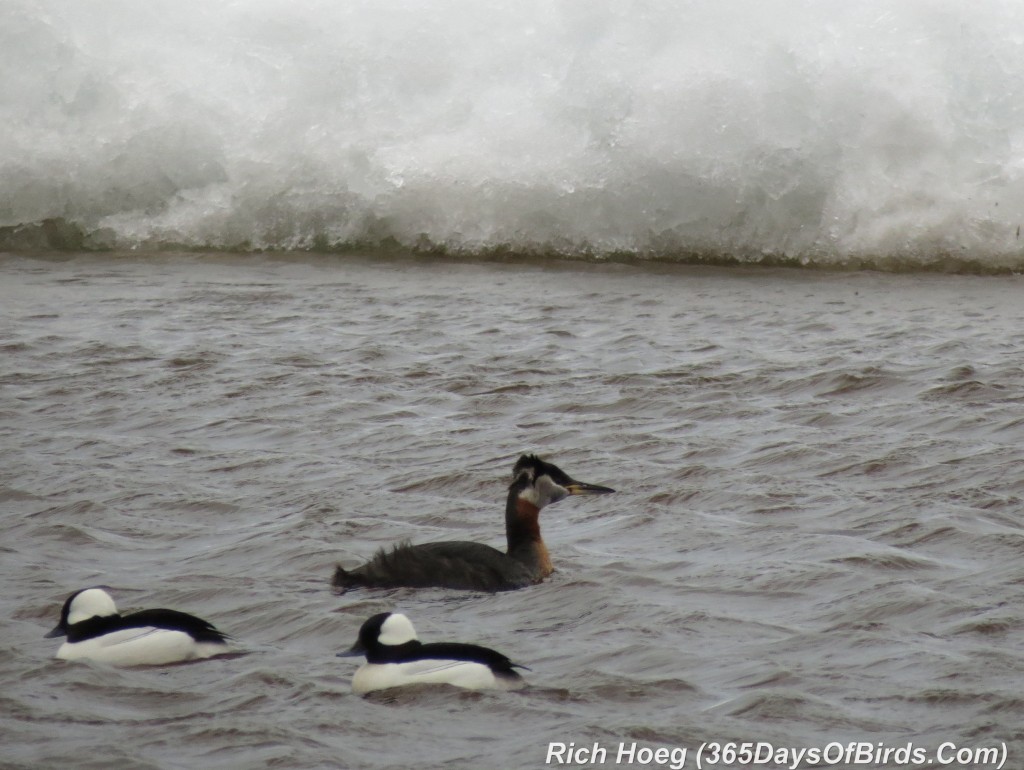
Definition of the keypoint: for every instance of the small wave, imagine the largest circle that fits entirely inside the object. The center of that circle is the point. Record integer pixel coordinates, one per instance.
(869, 378)
(787, 705)
(971, 391)
(993, 626)
(915, 534)
(886, 561)
(944, 696)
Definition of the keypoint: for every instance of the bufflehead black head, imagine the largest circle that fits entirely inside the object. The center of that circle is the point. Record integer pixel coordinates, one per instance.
(476, 566)
(383, 637)
(96, 631)
(396, 657)
(81, 606)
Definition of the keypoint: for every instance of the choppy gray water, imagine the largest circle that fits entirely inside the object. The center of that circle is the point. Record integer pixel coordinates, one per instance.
(817, 536)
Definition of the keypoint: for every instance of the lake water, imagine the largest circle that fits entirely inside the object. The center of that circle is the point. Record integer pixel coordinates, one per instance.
(816, 538)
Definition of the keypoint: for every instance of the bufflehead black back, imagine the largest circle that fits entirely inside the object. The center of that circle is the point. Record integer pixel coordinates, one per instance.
(475, 566)
(396, 657)
(95, 631)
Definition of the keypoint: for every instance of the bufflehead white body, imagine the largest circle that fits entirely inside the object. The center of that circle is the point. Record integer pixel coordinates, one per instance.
(395, 657)
(95, 631)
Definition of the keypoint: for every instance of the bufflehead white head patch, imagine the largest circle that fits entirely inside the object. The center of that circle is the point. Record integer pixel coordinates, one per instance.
(396, 629)
(90, 603)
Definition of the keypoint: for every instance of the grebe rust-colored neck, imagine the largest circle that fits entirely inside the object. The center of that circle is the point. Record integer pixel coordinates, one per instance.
(522, 528)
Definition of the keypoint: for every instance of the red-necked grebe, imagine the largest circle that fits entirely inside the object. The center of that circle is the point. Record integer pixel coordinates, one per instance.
(475, 566)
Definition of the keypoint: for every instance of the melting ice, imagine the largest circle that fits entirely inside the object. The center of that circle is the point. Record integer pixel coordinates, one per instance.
(811, 130)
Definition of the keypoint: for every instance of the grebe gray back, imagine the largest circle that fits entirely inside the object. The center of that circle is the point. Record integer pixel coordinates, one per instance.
(475, 566)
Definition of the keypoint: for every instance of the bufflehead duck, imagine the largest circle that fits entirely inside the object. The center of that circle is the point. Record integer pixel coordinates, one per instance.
(95, 631)
(396, 657)
(475, 566)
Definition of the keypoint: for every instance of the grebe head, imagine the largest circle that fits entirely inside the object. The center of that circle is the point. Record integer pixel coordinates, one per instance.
(81, 606)
(388, 629)
(542, 483)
